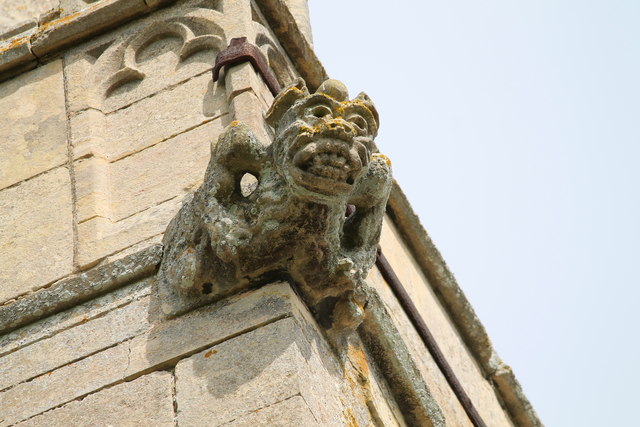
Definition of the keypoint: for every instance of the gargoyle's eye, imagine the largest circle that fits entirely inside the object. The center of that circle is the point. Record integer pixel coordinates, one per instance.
(321, 111)
(360, 124)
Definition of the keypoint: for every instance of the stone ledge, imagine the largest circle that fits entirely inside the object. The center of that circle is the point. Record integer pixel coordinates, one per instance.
(75, 290)
(459, 309)
(16, 57)
(416, 400)
(21, 53)
(95, 19)
(19, 28)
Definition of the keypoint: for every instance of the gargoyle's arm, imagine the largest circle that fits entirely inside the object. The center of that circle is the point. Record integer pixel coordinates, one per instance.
(362, 230)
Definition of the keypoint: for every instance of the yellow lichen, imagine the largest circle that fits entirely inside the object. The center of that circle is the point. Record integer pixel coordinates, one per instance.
(381, 156)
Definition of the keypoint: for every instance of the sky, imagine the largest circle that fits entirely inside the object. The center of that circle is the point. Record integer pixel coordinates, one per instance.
(514, 130)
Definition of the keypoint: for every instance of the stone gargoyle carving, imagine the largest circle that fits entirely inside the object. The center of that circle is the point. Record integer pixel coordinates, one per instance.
(314, 215)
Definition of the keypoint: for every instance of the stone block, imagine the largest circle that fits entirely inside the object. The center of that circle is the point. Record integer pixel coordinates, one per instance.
(79, 314)
(36, 141)
(146, 401)
(36, 237)
(161, 346)
(75, 343)
(171, 168)
(12, 14)
(63, 385)
(147, 122)
(122, 203)
(256, 370)
(247, 108)
(292, 412)
(137, 61)
(99, 237)
(243, 78)
(209, 325)
(98, 17)
(241, 375)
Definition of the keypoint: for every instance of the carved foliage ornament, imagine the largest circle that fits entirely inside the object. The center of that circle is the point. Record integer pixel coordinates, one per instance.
(314, 215)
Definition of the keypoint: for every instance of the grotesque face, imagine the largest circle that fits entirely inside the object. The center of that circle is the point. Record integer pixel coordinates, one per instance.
(323, 140)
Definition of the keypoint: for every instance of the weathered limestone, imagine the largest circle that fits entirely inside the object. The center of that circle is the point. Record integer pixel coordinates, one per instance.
(36, 236)
(76, 290)
(140, 181)
(62, 32)
(36, 139)
(145, 57)
(146, 401)
(16, 56)
(455, 350)
(123, 186)
(415, 359)
(15, 12)
(133, 117)
(297, 46)
(227, 325)
(251, 372)
(362, 372)
(79, 314)
(300, 12)
(63, 385)
(319, 166)
(148, 122)
(291, 412)
(163, 344)
(120, 204)
(99, 237)
(73, 344)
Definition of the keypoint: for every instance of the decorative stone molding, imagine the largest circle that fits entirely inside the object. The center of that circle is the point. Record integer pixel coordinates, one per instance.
(195, 31)
(308, 207)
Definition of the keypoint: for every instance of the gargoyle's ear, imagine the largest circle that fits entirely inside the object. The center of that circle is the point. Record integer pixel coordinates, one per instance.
(289, 95)
(364, 98)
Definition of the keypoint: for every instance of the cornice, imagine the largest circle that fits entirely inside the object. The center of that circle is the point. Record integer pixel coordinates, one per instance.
(26, 50)
(79, 288)
(459, 309)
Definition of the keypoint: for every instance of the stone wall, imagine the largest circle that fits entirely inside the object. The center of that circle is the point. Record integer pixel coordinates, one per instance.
(107, 125)
(106, 140)
(254, 358)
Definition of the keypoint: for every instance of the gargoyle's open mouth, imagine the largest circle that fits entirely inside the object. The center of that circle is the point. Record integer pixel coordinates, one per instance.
(329, 159)
(328, 165)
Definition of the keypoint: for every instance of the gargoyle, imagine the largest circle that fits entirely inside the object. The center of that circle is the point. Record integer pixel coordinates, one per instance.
(314, 215)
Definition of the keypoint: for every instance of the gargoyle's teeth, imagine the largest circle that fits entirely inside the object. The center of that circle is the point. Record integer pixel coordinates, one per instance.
(329, 172)
(304, 155)
(330, 159)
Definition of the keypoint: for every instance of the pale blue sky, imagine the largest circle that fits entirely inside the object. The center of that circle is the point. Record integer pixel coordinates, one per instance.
(514, 129)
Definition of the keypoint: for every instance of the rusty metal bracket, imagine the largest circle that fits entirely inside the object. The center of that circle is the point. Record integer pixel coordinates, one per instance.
(238, 51)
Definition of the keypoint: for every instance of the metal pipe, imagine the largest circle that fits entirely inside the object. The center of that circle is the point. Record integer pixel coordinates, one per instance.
(427, 338)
